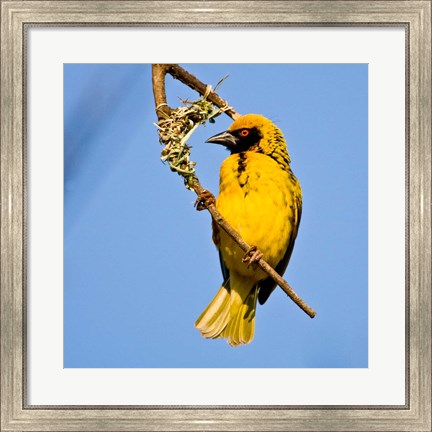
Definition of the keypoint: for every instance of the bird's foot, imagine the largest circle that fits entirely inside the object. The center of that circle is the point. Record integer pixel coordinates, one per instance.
(252, 256)
(205, 198)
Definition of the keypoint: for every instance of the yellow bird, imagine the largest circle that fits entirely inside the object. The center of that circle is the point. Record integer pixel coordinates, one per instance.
(261, 199)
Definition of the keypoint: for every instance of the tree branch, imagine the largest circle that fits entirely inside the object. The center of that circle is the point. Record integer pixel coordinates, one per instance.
(190, 80)
(177, 72)
(159, 72)
(158, 80)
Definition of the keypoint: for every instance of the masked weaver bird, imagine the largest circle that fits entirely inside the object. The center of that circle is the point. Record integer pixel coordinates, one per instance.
(261, 199)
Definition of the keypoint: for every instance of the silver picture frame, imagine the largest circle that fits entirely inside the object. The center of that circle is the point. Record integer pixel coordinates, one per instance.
(17, 17)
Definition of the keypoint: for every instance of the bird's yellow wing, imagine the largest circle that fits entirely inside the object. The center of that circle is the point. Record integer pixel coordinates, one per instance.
(267, 286)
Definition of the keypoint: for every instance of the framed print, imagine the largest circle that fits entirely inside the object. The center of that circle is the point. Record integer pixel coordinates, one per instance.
(106, 265)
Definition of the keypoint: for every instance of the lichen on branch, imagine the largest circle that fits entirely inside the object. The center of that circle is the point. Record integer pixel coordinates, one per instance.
(176, 128)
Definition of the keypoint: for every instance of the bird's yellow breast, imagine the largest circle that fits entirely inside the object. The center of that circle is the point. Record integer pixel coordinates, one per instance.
(259, 200)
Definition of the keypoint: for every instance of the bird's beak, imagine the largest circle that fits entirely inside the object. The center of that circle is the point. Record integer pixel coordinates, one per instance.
(225, 138)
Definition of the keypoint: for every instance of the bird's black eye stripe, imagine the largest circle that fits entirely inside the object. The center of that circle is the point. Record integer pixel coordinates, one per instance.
(247, 137)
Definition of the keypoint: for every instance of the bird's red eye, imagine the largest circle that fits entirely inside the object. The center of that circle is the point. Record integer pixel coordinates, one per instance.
(244, 132)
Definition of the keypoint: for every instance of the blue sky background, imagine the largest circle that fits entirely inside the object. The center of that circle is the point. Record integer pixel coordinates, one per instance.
(139, 263)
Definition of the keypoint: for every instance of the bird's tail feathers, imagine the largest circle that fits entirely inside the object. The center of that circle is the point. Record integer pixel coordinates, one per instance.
(241, 326)
(230, 315)
(216, 315)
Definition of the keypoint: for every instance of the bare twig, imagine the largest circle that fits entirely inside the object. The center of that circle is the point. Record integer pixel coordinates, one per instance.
(159, 72)
(177, 72)
(190, 80)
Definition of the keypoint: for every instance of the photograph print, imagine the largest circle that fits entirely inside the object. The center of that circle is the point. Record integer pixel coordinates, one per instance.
(152, 278)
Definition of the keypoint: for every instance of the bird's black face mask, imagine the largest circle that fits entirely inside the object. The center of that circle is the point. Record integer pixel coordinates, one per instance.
(237, 141)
